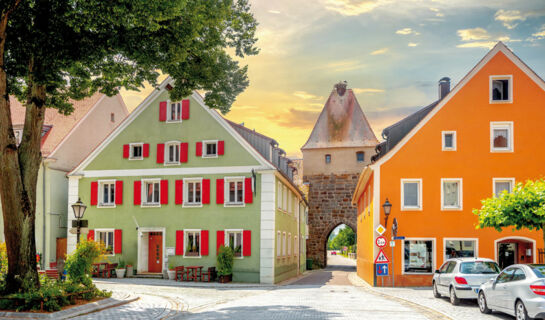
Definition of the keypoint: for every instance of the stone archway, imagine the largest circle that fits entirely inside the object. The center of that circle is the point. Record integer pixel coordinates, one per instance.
(325, 237)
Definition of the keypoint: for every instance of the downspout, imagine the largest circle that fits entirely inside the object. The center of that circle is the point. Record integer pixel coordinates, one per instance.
(43, 214)
(299, 237)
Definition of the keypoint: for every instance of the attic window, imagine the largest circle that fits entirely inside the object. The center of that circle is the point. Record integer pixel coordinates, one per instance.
(501, 89)
(360, 156)
(112, 117)
(327, 158)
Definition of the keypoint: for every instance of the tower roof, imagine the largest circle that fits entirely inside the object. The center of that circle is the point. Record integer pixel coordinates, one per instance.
(341, 123)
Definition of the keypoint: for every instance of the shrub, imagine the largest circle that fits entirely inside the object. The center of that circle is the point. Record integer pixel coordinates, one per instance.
(225, 261)
(3, 265)
(79, 264)
(121, 264)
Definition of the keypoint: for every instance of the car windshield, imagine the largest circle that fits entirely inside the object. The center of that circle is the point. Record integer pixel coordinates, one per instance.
(538, 269)
(480, 267)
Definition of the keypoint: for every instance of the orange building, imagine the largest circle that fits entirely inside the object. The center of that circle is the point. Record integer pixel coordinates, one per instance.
(437, 164)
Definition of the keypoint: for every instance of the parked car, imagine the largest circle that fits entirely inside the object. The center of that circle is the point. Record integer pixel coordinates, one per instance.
(333, 253)
(519, 290)
(461, 278)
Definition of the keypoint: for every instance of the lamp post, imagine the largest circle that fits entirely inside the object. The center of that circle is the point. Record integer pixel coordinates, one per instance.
(79, 210)
(387, 206)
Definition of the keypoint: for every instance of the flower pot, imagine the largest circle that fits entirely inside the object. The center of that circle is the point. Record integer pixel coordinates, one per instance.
(171, 274)
(226, 278)
(120, 273)
(130, 271)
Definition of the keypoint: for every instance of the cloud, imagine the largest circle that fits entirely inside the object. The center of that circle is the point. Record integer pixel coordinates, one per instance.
(412, 44)
(274, 11)
(437, 12)
(379, 51)
(367, 90)
(478, 44)
(510, 18)
(473, 34)
(344, 65)
(296, 118)
(353, 7)
(307, 96)
(540, 34)
(407, 31)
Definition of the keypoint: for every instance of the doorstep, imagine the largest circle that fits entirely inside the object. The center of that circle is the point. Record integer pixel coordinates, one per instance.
(148, 275)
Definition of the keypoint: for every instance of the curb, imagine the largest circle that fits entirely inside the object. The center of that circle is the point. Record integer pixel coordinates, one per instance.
(204, 285)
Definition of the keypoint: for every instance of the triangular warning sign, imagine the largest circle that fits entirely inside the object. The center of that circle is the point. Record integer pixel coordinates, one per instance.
(381, 257)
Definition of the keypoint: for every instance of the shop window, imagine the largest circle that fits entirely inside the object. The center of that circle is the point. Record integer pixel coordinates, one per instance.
(418, 257)
(460, 248)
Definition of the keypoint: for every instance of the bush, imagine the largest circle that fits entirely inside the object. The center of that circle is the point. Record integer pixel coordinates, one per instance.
(79, 264)
(225, 261)
(3, 265)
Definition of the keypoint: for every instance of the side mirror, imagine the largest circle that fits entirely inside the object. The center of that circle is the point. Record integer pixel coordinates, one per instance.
(438, 271)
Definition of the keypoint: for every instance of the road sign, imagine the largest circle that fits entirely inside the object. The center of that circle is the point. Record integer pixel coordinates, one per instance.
(75, 230)
(380, 242)
(380, 229)
(382, 269)
(381, 257)
(399, 238)
(392, 244)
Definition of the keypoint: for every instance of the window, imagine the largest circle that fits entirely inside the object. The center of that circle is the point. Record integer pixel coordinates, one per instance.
(234, 241)
(289, 244)
(360, 156)
(174, 112)
(279, 244)
(235, 191)
(193, 192)
(136, 151)
(151, 193)
(449, 140)
(501, 136)
(461, 248)
(172, 150)
(505, 276)
(18, 135)
(411, 194)
(327, 158)
(479, 267)
(112, 117)
(284, 244)
(107, 193)
(503, 184)
(279, 196)
(501, 89)
(106, 237)
(418, 257)
(518, 275)
(193, 243)
(451, 267)
(284, 198)
(451, 194)
(210, 149)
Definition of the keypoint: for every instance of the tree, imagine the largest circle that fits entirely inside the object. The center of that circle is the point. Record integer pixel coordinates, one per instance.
(346, 237)
(55, 50)
(522, 208)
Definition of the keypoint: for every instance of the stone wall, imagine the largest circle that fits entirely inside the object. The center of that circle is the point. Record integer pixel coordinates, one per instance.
(330, 205)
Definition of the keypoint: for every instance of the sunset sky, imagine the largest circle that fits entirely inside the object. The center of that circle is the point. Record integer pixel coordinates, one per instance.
(392, 53)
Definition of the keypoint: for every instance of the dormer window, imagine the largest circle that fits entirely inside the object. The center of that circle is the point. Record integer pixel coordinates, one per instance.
(360, 156)
(174, 112)
(327, 158)
(501, 89)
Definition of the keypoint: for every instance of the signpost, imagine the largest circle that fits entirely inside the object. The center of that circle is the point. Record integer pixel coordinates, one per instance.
(392, 245)
(381, 257)
(382, 269)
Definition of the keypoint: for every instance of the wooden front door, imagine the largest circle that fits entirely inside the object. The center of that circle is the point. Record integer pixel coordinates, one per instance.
(61, 249)
(155, 255)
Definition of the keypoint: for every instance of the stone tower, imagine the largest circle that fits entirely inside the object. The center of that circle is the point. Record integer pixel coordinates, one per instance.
(339, 147)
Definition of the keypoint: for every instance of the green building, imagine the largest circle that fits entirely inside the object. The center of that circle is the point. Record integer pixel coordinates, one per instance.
(176, 180)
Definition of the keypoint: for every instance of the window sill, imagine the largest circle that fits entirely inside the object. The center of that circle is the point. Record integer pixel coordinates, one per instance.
(192, 205)
(192, 257)
(449, 149)
(452, 209)
(140, 158)
(411, 208)
(151, 205)
(234, 205)
(105, 206)
(174, 121)
(172, 163)
(210, 156)
(501, 101)
(501, 150)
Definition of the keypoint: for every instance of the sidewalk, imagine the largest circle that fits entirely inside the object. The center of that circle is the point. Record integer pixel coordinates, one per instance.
(186, 284)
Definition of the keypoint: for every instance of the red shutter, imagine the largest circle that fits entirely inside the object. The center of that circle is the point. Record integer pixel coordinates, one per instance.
(248, 194)
(204, 242)
(221, 147)
(119, 192)
(205, 191)
(198, 150)
(179, 192)
(219, 191)
(164, 191)
(163, 111)
(185, 109)
(137, 192)
(220, 240)
(247, 243)
(160, 152)
(94, 193)
(184, 146)
(126, 149)
(145, 152)
(118, 241)
(91, 235)
(179, 242)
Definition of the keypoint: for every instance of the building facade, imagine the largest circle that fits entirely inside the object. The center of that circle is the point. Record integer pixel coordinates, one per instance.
(438, 164)
(176, 180)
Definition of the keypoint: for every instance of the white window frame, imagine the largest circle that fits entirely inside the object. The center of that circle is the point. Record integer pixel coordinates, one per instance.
(100, 195)
(226, 191)
(136, 144)
(454, 142)
(113, 239)
(279, 196)
(289, 244)
(284, 244)
(509, 78)
(204, 144)
(460, 194)
(186, 241)
(186, 193)
(420, 204)
(433, 258)
(459, 239)
(169, 112)
(284, 198)
(279, 244)
(494, 180)
(226, 240)
(167, 153)
(143, 195)
(510, 129)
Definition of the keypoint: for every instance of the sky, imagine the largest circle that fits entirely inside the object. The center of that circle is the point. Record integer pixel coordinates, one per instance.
(391, 53)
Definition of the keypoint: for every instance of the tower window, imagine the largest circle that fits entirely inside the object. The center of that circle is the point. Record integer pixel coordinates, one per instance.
(327, 158)
(360, 156)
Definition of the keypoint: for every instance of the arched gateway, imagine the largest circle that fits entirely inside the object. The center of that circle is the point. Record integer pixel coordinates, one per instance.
(339, 147)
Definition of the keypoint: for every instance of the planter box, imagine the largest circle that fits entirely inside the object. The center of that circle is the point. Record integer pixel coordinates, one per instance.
(120, 273)
(225, 279)
(171, 274)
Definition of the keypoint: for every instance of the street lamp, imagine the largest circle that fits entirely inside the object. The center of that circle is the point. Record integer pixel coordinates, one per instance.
(387, 206)
(79, 210)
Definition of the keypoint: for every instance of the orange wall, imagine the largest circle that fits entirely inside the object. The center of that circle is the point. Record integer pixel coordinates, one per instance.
(468, 113)
(365, 239)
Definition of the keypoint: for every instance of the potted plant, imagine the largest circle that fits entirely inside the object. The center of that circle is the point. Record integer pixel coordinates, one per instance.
(171, 272)
(120, 270)
(130, 270)
(225, 264)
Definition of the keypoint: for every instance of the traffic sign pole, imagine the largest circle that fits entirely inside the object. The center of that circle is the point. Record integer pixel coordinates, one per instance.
(393, 268)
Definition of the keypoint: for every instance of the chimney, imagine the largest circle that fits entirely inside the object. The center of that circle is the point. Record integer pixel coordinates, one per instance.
(341, 88)
(444, 87)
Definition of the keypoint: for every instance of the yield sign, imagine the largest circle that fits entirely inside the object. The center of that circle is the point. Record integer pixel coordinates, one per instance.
(381, 257)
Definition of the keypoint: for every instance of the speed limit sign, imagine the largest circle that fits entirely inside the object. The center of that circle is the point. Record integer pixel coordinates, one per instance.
(381, 242)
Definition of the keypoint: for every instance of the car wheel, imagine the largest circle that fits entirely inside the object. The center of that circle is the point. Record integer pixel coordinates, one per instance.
(482, 303)
(520, 311)
(453, 298)
(435, 292)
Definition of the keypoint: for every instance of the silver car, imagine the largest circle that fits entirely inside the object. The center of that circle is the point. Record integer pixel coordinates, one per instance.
(461, 278)
(519, 290)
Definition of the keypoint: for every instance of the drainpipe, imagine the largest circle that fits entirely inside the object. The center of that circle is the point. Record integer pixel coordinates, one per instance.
(44, 246)
(299, 237)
